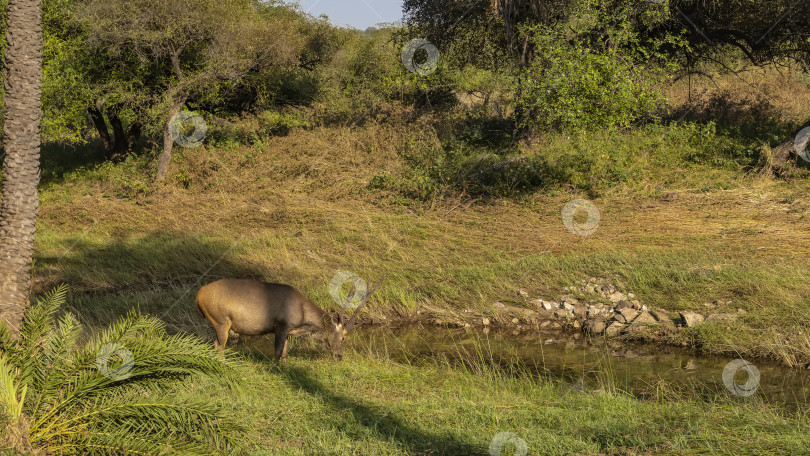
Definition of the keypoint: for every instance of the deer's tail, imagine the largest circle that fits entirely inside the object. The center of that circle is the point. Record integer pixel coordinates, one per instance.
(197, 307)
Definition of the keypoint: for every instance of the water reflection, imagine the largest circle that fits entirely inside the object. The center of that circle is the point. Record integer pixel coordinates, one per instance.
(591, 365)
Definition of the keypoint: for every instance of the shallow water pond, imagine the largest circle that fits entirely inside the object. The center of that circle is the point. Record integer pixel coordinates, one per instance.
(642, 369)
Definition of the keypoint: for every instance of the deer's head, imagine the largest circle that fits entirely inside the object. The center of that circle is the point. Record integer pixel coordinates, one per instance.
(337, 326)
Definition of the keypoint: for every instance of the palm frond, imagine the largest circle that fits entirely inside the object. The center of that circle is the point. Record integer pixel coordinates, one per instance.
(165, 421)
(11, 399)
(36, 325)
(57, 355)
(117, 392)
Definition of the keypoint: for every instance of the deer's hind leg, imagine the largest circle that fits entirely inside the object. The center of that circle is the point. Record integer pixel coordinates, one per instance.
(284, 352)
(281, 344)
(222, 335)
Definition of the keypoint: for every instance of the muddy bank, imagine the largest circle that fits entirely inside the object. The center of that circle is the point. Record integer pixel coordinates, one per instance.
(595, 309)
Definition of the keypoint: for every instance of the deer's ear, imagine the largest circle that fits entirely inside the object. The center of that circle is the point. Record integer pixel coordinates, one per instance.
(336, 318)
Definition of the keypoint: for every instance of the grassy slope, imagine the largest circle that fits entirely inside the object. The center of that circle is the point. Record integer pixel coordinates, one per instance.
(277, 213)
(677, 231)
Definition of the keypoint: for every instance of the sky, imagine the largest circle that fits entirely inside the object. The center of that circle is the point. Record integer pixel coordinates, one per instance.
(359, 14)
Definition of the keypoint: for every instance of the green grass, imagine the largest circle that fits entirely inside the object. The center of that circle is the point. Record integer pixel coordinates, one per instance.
(370, 405)
(161, 271)
(681, 225)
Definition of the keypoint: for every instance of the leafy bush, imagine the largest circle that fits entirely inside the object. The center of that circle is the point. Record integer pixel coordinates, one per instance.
(493, 89)
(593, 72)
(367, 77)
(272, 123)
(422, 175)
(61, 394)
(362, 74)
(481, 159)
(569, 88)
(230, 132)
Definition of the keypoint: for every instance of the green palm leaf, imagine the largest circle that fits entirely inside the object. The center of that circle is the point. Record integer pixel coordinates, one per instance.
(116, 392)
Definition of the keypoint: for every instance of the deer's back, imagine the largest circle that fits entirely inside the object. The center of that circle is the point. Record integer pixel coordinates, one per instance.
(253, 307)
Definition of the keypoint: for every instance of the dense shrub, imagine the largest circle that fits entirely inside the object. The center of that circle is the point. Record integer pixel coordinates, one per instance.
(273, 123)
(570, 87)
(596, 70)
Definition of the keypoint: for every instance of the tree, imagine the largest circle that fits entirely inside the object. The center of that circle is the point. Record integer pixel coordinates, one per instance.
(684, 33)
(765, 33)
(466, 24)
(191, 49)
(81, 81)
(18, 209)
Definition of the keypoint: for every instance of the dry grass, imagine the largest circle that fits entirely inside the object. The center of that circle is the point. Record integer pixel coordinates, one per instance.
(679, 232)
(747, 95)
(299, 213)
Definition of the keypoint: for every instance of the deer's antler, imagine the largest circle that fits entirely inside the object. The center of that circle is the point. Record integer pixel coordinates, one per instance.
(348, 325)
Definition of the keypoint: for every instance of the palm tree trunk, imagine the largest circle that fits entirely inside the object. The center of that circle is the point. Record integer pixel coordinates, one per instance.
(18, 209)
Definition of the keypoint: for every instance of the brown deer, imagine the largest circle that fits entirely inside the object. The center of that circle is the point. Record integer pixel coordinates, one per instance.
(251, 308)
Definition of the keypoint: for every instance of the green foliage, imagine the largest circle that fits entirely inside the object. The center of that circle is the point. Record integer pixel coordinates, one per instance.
(482, 159)
(68, 74)
(234, 131)
(490, 85)
(363, 74)
(763, 33)
(117, 57)
(66, 398)
(273, 123)
(422, 178)
(480, 34)
(126, 180)
(597, 70)
(368, 76)
(272, 86)
(573, 87)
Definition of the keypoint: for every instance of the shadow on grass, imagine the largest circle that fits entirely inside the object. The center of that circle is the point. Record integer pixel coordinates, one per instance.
(261, 349)
(382, 422)
(57, 159)
(748, 123)
(158, 273)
